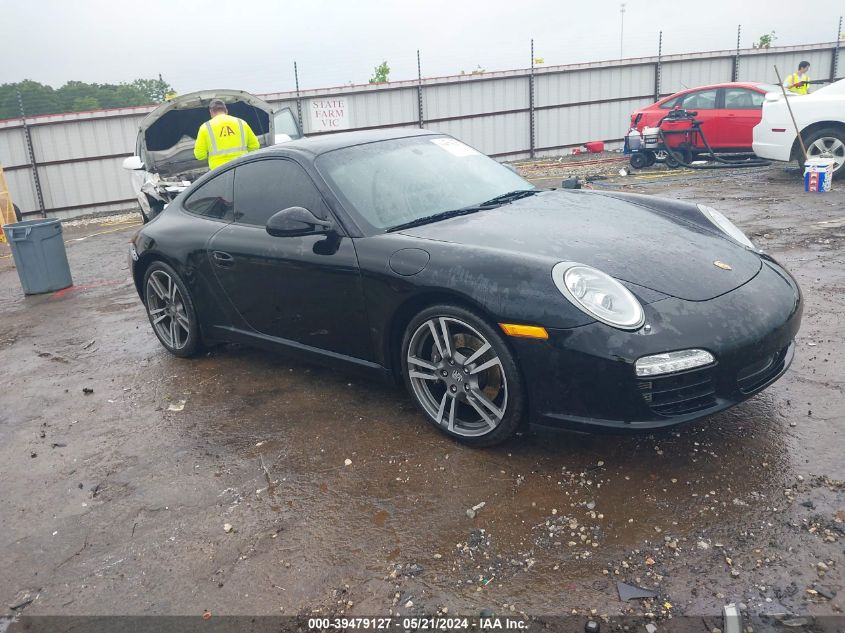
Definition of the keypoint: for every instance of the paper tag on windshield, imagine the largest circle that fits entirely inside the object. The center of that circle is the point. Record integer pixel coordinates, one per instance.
(456, 148)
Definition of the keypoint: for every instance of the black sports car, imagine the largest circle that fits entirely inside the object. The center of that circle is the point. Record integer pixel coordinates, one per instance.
(413, 256)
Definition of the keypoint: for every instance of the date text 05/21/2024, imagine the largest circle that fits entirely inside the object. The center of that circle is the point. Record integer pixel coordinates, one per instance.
(417, 624)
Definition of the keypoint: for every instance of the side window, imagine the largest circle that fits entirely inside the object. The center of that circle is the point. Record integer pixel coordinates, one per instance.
(742, 99)
(214, 198)
(285, 123)
(672, 103)
(266, 186)
(701, 100)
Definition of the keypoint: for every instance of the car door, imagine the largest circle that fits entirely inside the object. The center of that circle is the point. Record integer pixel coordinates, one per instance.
(742, 110)
(705, 102)
(304, 289)
(285, 126)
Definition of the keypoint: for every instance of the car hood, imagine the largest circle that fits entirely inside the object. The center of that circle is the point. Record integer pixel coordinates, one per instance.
(166, 135)
(648, 247)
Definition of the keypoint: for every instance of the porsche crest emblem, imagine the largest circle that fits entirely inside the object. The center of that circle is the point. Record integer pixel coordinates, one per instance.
(720, 264)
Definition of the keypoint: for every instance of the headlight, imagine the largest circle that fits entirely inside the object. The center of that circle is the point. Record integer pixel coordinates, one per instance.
(599, 295)
(726, 226)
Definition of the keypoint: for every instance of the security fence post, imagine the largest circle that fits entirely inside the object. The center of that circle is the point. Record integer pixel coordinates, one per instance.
(419, 90)
(298, 98)
(531, 103)
(28, 136)
(657, 67)
(735, 74)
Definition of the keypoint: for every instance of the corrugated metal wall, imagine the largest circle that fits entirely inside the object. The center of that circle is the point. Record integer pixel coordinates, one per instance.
(79, 155)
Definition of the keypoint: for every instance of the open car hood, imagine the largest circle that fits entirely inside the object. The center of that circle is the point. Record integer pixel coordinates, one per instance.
(166, 136)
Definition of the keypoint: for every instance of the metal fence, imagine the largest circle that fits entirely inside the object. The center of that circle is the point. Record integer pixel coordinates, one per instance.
(67, 165)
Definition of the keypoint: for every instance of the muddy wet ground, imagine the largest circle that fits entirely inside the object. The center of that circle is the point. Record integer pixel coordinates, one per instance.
(115, 502)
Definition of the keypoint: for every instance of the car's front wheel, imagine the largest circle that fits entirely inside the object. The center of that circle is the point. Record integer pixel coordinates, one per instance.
(171, 311)
(462, 375)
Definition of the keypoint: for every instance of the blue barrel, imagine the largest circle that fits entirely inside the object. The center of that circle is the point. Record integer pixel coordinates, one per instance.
(38, 248)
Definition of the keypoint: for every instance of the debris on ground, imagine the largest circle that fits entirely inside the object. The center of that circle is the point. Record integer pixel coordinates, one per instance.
(179, 405)
(632, 592)
(473, 511)
(88, 390)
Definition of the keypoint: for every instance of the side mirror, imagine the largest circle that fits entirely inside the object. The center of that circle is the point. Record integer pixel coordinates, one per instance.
(295, 221)
(133, 163)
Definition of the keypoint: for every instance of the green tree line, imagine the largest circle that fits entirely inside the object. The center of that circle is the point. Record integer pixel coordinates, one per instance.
(77, 96)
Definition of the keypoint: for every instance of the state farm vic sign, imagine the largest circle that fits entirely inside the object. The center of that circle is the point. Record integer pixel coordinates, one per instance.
(329, 114)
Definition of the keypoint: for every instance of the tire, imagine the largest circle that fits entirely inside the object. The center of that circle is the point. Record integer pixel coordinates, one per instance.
(155, 207)
(831, 139)
(651, 158)
(488, 405)
(639, 160)
(171, 311)
(18, 214)
(672, 162)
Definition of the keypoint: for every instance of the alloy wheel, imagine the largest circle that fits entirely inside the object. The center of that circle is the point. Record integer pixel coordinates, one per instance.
(828, 147)
(457, 376)
(166, 308)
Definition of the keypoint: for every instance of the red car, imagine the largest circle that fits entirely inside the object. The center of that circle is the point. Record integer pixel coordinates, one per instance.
(728, 113)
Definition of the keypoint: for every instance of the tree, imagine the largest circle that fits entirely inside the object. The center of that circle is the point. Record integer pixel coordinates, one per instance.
(37, 99)
(156, 90)
(76, 96)
(478, 70)
(81, 104)
(765, 41)
(381, 74)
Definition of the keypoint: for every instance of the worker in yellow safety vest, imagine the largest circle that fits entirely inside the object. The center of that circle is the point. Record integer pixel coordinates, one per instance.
(224, 137)
(799, 82)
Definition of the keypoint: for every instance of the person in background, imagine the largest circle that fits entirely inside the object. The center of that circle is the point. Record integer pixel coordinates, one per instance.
(799, 82)
(224, 137)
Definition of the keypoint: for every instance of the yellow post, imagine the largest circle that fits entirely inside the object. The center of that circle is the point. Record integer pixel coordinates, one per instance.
(7, 210)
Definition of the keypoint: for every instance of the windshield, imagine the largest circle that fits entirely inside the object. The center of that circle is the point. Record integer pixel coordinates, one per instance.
(392, 183)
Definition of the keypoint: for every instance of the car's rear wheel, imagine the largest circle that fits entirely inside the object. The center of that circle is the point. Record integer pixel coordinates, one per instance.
(171, 311)
(462, 375)
(827, 143)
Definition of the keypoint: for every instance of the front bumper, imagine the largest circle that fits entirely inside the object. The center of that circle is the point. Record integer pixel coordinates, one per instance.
(585, 376)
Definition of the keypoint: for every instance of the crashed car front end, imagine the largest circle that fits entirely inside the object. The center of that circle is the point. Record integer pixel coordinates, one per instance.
(164, 164)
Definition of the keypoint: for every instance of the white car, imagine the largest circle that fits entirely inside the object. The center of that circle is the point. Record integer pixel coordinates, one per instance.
(164, 165)
(820, 117)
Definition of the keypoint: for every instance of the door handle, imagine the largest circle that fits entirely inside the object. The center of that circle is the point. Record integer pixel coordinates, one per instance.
(224, 260)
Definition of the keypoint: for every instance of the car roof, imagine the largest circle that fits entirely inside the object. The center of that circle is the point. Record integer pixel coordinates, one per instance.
(727, 84)
(316, 145)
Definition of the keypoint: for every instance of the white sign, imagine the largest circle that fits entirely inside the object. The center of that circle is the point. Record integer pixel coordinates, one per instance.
(329, 114)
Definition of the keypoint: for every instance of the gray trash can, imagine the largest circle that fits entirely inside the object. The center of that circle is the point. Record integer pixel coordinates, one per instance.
(40, 257)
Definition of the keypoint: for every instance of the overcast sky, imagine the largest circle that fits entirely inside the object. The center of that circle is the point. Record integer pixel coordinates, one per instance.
(251, 44)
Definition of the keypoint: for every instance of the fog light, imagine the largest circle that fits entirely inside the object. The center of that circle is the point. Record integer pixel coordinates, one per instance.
(672, 362)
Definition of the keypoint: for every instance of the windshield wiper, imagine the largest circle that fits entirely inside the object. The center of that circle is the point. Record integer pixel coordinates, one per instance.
(443, 215)
(492, 203)
(510, 196)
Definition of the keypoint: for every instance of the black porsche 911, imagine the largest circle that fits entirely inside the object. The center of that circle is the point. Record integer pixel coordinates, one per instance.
(413, 256)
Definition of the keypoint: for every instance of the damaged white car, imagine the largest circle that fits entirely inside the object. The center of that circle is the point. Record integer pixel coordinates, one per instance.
(164, 165)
